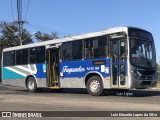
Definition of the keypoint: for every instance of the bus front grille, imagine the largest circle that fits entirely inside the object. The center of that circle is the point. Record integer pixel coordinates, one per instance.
(146, 82)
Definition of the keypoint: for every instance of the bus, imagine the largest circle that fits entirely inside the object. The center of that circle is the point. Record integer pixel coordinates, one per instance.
(120, 58)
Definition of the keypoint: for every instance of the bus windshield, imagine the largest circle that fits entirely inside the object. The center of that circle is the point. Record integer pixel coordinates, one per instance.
(142, 52)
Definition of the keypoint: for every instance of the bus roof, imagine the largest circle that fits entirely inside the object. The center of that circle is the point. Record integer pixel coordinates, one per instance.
(71, 38)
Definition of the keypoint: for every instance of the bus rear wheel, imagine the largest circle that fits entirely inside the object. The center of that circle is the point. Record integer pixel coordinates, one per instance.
(95, 86)
(31, 85)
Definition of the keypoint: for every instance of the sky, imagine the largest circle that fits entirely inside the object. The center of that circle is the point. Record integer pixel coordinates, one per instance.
(74, 17)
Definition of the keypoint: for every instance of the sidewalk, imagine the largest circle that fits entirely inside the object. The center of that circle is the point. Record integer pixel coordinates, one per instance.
(158, 85)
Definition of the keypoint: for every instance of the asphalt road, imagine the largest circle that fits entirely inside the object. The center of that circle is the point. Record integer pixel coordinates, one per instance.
(18, 99)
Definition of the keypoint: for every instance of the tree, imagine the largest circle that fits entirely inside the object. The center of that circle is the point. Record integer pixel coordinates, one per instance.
(45, 36)
(9, 36)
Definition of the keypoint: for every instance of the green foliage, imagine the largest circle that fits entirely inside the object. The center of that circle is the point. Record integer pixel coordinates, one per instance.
(45, 36)
(9, 36)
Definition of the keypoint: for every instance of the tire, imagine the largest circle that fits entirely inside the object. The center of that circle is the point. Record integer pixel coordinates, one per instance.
(95, 86)
(31, 85)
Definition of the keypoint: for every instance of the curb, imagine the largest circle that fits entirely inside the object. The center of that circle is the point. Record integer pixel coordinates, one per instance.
(155, 88)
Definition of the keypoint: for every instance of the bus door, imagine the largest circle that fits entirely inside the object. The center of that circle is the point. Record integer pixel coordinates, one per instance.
(53, 68)
(118, 63)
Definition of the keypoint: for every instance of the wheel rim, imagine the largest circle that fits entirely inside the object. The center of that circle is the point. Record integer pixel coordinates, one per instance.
(94, 86)
(31, 85)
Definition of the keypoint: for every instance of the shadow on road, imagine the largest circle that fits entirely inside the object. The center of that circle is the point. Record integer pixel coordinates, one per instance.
(65, 90)
(144, 93)
(130, 93)
(134, 93)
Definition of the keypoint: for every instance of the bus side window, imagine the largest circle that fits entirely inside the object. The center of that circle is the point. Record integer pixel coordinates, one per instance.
(22, 57)
(40, 54)
(100, 47)
(18, 57)
(96, 47)
(9, 58)
(77, 50)
(32, 55)
(25, 56)
(72, 50)
(67, 51)
(88, 48)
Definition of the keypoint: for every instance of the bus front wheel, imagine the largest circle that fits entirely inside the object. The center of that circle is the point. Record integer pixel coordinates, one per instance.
(95, 86)
(31, 85)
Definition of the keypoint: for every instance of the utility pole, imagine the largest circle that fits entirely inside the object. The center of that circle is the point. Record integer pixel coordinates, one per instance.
(20, 21)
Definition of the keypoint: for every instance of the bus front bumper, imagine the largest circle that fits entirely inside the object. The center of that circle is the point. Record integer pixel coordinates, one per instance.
(142, 84)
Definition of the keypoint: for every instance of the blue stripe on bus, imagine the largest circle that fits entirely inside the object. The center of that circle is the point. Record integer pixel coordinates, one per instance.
(80, 68)
(41, 71)
(77, 68)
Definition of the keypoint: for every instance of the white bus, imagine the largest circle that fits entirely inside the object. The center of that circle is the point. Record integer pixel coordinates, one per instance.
(120, 58)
